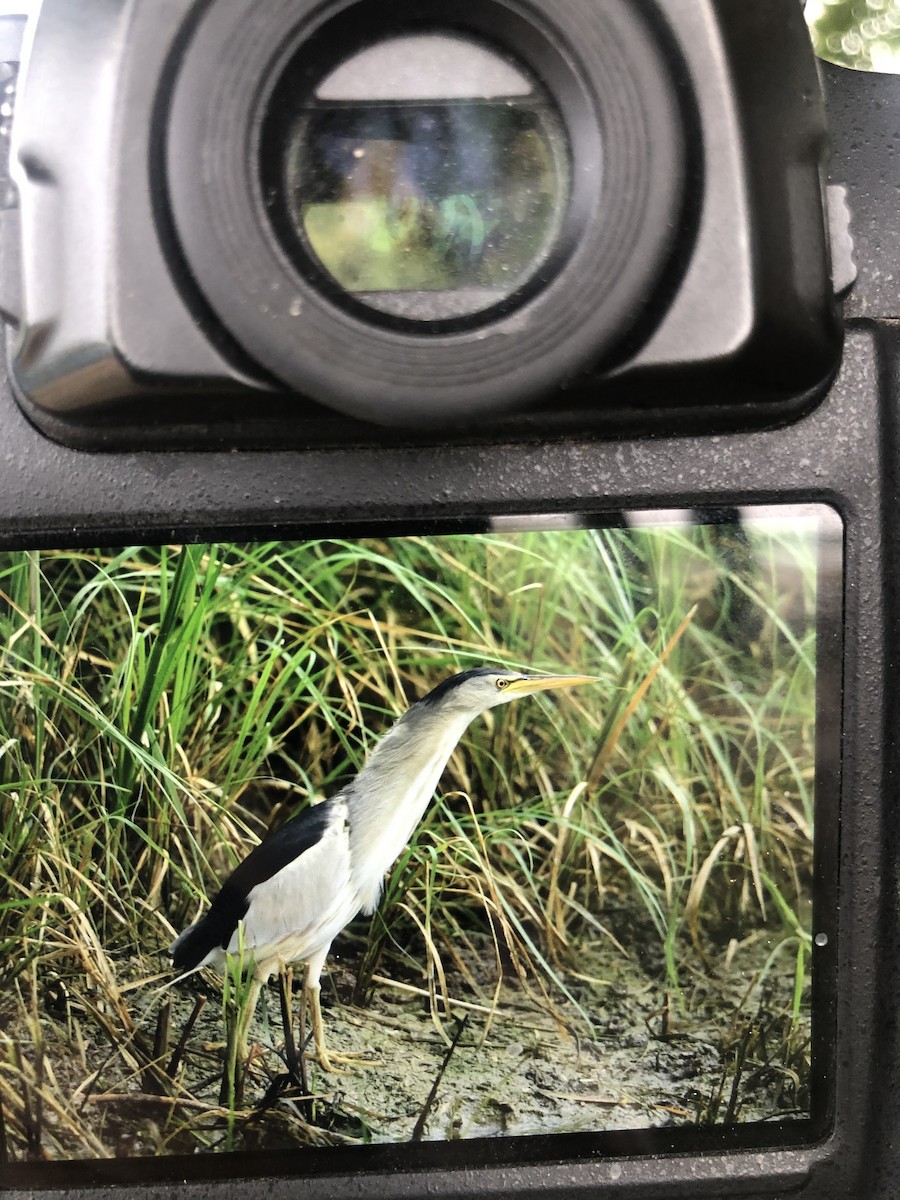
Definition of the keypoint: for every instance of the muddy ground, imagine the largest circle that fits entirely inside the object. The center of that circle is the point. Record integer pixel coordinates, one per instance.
(722, 1049)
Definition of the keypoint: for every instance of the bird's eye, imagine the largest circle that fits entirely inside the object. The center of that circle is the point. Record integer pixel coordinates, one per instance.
(501, 684)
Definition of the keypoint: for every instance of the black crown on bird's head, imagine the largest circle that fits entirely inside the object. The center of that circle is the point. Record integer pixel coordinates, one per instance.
(484, 687)
(442, 690)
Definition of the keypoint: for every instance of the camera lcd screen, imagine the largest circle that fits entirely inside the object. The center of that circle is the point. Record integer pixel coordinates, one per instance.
(612, 927)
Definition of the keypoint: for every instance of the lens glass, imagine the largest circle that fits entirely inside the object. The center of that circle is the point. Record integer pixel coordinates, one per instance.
(432, 191)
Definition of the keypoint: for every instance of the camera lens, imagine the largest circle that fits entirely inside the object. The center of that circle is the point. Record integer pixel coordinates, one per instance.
(431, 192)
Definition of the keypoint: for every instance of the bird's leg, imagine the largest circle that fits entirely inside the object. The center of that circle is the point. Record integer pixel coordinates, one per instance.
(327, 1060)
(318, 1028)
(296, 1063)
(301, 1020)
(231, 1091)
(245, 1016)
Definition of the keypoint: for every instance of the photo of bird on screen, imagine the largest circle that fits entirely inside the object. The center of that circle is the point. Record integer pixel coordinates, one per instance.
(295, 892)
(412, 839)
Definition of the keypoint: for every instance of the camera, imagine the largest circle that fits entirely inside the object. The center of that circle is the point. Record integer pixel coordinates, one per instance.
(435, 219)
(356, 355)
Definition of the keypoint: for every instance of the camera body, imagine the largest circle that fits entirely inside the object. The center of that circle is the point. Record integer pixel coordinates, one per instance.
(718, 390)
(690, 280)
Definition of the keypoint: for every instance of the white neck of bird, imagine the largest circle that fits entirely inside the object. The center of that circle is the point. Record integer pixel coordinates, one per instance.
(389, 796)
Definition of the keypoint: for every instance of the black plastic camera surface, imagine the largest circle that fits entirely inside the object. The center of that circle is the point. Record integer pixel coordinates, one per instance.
(181, 365)
(674, 257)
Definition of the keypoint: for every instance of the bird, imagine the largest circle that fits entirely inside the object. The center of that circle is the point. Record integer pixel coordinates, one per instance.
(294, 892)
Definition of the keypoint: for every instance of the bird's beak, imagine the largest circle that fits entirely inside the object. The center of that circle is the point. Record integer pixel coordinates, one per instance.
(543, 683)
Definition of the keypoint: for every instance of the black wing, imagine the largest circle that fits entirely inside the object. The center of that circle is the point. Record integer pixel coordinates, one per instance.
(215, 929)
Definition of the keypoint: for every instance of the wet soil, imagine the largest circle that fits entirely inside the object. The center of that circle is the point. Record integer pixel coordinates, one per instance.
(712, 1053)
(625, 1051)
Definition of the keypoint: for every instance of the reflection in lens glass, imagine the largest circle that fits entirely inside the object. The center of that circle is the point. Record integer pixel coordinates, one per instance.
(458, 198)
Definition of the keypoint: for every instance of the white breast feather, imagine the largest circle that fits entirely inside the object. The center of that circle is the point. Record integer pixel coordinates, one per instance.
(296, 913)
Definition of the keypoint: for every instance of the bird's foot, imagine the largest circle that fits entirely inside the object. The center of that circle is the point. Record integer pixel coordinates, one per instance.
(328, 1060)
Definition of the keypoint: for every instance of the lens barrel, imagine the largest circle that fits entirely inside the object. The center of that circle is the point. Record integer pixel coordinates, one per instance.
(425, 216)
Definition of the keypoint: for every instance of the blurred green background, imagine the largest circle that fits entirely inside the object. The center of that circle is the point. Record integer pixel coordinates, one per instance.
(864, 34)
